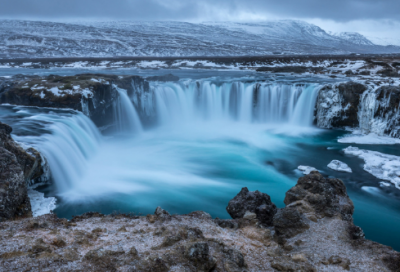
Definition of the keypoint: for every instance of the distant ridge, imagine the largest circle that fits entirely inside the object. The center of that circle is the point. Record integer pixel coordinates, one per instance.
(35, 39)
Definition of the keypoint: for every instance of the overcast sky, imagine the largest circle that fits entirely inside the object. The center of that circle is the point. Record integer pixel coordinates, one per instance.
(374, 18)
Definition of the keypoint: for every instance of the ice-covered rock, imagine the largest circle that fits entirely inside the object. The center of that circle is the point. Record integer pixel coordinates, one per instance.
(306, 169)
(339, 166)
(382, 166)
(379, 111)
(337, 105)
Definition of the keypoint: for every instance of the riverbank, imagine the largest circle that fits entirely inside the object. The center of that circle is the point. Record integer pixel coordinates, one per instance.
(314, 232)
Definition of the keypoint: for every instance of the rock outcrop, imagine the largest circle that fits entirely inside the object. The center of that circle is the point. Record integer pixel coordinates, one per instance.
(257, 203)
(92, 94)
(17, 168)
(314, 232)
(338, 105)
(387, 111)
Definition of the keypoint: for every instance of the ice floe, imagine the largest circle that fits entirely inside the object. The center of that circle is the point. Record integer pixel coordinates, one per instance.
(41, 205)
(339, 166)
(382, 166)
(306, 169)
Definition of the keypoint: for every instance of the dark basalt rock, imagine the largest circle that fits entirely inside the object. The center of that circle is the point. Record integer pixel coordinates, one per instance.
(98, 106)
(388, 73)
(322, 196)
(164, 78)
(199, 255)
(255, 202)
(388, 100)
(350, 93)
(29, 160)
(289, 222)
(14, 200)
(17, 168)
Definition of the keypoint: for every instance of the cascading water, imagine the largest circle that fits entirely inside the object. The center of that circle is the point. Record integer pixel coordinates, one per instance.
(235, 101)
(125, 115)
(72, 141)
(195, 109)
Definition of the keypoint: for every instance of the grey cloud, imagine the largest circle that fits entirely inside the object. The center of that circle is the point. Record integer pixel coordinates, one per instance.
(197, 10)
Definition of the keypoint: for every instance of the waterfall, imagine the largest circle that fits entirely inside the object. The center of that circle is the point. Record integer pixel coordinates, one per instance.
(178, 103)
(126, 118)
(72, 141)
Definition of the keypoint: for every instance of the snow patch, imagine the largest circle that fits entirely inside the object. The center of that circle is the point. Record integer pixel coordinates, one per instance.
(371, 138)
(306, 169)
(382, 166)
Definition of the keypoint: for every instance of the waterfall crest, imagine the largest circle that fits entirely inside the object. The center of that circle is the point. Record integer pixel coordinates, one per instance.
(276, 103)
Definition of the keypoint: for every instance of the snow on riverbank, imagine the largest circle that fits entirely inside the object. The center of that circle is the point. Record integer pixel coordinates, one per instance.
(357, 138)
(382, 166)
(339, 166)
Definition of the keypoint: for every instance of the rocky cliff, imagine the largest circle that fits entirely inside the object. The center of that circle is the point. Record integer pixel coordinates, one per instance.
(94, 95)
(314, 232)
(18, 167)
(370, 108)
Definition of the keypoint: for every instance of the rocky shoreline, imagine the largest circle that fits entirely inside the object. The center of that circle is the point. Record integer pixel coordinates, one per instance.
(314, 232)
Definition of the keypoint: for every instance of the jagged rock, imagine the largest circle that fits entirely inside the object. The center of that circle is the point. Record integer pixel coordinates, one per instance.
(325, 197)
(388, 101)
(17, 168)
(388, 73)
(29, 160)
(14, 200)
(289, 222)
(254, 202)
(92, 94)
(199, 254)
(227, 223)
(337, 106)
(161, 212)
(249, 215)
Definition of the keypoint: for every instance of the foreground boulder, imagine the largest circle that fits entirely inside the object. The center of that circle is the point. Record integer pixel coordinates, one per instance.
(247, 203)
(17, 168)
(317, 196)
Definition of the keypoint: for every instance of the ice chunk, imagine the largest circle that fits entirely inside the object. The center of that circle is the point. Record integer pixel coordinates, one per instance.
(339, 166)
(306, 169)
(41, 205)
(382, 166)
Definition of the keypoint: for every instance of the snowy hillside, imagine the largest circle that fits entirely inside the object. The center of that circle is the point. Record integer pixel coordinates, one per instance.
(108, 39)
(353, 37)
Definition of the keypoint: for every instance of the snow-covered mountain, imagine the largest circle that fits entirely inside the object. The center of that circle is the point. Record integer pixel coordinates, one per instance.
(108, 39)
(353, 37)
